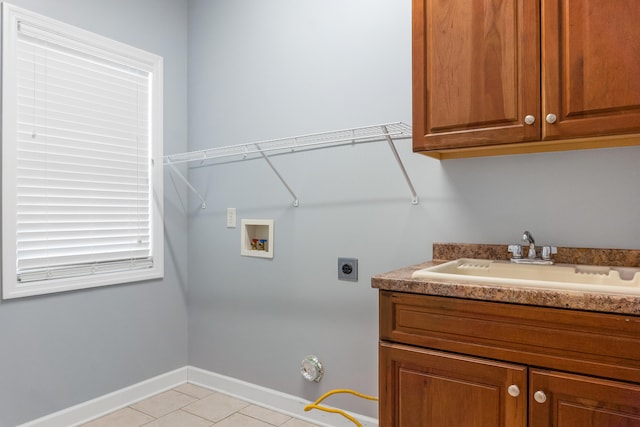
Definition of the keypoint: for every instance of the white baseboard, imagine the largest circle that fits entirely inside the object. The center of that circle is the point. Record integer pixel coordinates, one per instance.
(268, 398)
(95, 408)
(272, 399)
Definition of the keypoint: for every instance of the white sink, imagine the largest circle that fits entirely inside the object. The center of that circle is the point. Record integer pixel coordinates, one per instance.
(589, 278)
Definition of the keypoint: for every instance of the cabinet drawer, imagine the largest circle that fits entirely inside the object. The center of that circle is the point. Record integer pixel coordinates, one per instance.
(599, 344)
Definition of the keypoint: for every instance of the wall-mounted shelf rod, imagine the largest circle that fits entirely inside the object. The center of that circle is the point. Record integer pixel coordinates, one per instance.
(414, 195)
(203, 204)
(384, 132)
(296, 203)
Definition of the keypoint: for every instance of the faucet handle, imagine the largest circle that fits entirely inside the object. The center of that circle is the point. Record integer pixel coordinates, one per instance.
(547, 251)
(516, 250)
(527, 237)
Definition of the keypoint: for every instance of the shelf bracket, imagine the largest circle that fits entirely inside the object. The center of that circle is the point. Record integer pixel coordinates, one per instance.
(414, 195)
(296, 203)
(177, 172)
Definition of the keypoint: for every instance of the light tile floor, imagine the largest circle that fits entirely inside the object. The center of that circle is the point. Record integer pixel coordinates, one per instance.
(189, 405)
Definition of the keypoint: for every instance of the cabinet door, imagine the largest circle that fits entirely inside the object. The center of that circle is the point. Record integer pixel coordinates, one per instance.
(423, 388)
(476, 72)
(591, 67)
(565, 400)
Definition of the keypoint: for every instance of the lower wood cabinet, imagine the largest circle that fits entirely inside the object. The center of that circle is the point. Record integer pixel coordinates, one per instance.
(424, 388)
(446, 362)
(567, 400)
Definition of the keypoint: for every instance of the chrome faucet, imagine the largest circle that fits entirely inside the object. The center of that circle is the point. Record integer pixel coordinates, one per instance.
(532, 256)
(527, 237)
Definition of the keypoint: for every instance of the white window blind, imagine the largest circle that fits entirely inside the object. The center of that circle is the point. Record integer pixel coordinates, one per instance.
(84, 179)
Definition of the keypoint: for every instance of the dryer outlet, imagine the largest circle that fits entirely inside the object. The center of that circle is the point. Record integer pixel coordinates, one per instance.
(348, 269)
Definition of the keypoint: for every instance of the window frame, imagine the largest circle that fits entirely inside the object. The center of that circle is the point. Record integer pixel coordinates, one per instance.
(11, 287)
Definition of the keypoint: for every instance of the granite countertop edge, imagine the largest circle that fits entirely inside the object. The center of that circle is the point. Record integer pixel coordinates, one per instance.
(400, 280)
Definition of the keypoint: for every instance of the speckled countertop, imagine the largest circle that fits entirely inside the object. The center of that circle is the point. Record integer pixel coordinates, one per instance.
(401, 281)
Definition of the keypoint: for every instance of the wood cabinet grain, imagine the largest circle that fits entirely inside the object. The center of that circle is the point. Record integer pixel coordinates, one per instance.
(514, 76)
(440, 354)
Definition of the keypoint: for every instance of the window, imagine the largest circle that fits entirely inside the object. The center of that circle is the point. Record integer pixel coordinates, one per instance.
(82, 123)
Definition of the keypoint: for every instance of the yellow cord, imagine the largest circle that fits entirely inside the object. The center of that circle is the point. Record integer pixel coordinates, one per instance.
(315, 405)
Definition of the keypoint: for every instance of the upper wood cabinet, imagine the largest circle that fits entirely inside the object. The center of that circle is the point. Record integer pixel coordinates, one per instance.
(476, 72)
(590, 67)
(513, 76)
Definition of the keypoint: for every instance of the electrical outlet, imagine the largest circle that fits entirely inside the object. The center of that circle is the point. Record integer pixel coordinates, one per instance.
(231, 217)
(348, 269)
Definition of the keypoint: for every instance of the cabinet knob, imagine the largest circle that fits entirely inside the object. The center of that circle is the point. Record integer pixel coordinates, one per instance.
(539, 396)
(513, 390)
(529, 119)
(551, 118)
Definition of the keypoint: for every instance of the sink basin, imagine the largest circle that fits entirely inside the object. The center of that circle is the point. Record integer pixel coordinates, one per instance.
(589, 278)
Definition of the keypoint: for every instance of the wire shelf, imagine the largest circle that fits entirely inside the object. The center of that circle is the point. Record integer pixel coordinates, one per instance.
(384, 132)
(397, 130)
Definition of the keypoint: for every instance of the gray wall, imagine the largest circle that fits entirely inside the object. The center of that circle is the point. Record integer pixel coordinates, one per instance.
(63, 349)
(268, 69)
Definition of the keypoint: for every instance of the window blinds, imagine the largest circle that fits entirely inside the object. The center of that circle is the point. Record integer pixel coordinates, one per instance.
(83, 159)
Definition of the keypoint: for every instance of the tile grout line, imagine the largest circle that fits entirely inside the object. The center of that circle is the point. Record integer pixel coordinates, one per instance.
(199, 397)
